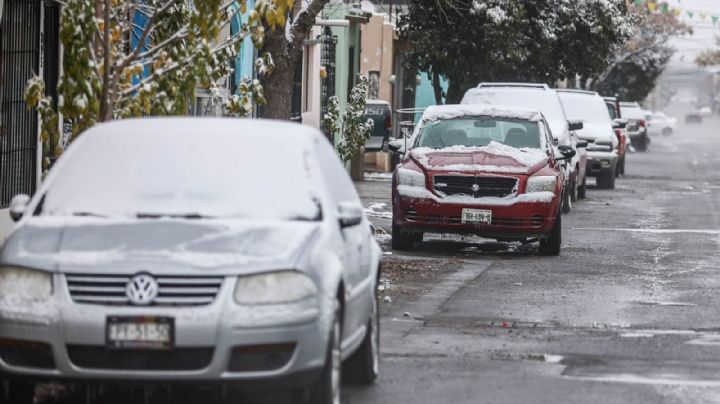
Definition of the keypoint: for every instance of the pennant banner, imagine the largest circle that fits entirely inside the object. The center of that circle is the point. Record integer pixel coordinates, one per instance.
(653, 6)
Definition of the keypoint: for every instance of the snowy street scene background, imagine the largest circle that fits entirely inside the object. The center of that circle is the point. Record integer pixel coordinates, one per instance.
(359, 201)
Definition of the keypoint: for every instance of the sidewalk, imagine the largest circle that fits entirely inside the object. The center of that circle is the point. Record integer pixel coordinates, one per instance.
(5, 225)
(376, 195)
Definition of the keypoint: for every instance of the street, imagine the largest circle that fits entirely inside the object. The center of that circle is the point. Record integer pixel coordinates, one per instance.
(627, 313)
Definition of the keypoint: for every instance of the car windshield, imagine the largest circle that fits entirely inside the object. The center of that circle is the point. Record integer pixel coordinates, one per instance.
(586, 108)
(152, 175)
(478, 132)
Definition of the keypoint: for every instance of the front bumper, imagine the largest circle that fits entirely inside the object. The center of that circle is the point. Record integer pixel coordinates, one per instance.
(512, 218)
(601, 162)
(210, 340)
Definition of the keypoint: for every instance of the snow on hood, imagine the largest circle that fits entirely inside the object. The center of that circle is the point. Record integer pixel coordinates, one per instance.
(495, 157)
(101, 245)
(596, 131)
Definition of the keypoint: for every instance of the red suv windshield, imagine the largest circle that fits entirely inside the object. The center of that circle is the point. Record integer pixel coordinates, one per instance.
(479, 132)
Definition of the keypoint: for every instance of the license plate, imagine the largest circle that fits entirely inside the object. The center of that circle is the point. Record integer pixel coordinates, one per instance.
(477, 216)
(140, 332)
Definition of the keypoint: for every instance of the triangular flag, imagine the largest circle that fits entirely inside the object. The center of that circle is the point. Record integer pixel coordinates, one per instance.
(714, 19)
(651, 7)
(703, 16)
(665, 8)
(639, 3)
(690, 14)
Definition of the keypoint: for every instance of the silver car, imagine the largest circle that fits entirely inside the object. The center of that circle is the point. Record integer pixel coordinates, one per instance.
(192, 250)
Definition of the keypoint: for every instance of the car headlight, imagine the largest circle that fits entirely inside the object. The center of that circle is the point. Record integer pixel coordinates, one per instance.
(541, 184)
(25, 284)
(274, 288)
(410, 177)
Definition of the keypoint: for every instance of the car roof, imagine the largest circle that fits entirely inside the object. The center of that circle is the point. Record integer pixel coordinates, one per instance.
(575, 91)
(538, 86)
(459, 110)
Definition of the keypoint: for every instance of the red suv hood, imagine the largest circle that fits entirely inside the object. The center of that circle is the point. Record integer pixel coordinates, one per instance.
(504, 160)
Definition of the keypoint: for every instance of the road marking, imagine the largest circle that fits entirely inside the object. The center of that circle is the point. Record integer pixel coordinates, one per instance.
(635, 379)
(652, 231)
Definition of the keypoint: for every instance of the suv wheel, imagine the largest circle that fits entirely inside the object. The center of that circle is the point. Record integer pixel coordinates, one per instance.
(363, 366)
(402, 241)
(582, 189)
(551, 244)
(567, 198)
(606, 180)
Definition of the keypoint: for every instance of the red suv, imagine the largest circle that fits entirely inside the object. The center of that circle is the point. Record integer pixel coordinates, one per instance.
(482, 170)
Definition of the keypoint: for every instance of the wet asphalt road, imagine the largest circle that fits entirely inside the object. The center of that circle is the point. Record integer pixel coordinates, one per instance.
(627, 314)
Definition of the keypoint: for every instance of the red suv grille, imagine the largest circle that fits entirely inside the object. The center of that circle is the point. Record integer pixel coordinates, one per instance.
(477, 187)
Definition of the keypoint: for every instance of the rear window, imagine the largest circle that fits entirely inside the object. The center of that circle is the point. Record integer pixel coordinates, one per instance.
(585, 108)
(479, 132)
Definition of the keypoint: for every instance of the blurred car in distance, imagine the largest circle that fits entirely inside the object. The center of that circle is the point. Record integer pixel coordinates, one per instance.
(381, 114)
(598, 131)
(660, 124)
(620, 128)
(636, 124)
(481, 170)
(198, 260)
(693, 117)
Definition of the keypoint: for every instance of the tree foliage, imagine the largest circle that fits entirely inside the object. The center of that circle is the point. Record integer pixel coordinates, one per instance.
(710, 57)
(469, 41)
(353, 129)
(128, 58)
(635, 68)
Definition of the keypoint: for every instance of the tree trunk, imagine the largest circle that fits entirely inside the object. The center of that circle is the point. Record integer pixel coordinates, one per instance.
(455, 92)
(278, 86)
(437, 87)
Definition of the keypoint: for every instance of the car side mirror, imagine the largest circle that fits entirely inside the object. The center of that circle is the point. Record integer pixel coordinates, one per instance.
(620, 123)
(565, 153)
(18, 206)
(582, 144)
(575, 125)
(396, 146)
(349, 214)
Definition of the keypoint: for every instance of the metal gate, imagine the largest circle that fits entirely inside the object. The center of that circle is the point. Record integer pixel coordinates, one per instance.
(19, 60)
(327, 60)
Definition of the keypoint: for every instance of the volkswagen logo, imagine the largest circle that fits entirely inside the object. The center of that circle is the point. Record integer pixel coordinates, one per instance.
(142, 289)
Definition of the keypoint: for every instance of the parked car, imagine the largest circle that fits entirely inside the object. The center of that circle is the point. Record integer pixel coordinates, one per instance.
(544, 99)
(636, 124)
(174, 250)
(620, 127)
(660, 124)
(705, 111)
(694, 117)
(381, 114)
(598, 131)
(483, 170)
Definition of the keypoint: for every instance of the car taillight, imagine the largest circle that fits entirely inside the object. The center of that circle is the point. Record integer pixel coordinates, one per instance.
(642, 123)
(388, 123)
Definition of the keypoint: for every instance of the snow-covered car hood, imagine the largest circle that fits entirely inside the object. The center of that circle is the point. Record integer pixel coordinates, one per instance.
(596, 131)
(127, 246)
(494, 158)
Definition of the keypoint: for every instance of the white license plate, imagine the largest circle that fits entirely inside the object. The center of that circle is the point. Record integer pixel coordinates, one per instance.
(477, 216)
(140, 332)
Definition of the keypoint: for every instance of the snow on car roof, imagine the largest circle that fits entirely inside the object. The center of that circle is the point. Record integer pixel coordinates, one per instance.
(435, 112)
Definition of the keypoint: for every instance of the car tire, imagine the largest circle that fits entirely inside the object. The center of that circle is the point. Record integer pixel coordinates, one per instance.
(402, 241)
(19, 393)
(567, 199)
(606, 180)
(363, 366)
(621, 167)
(551, 245)
(574, 189)
(582, 189)
(326, 389)
(643, 143)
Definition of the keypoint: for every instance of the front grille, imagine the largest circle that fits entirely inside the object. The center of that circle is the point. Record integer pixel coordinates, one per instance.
(535, 221)
(260, 358)
(173, 290)
(100, 357)
(477, 187)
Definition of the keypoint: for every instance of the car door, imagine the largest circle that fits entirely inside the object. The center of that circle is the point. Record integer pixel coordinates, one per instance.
(356, 252)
